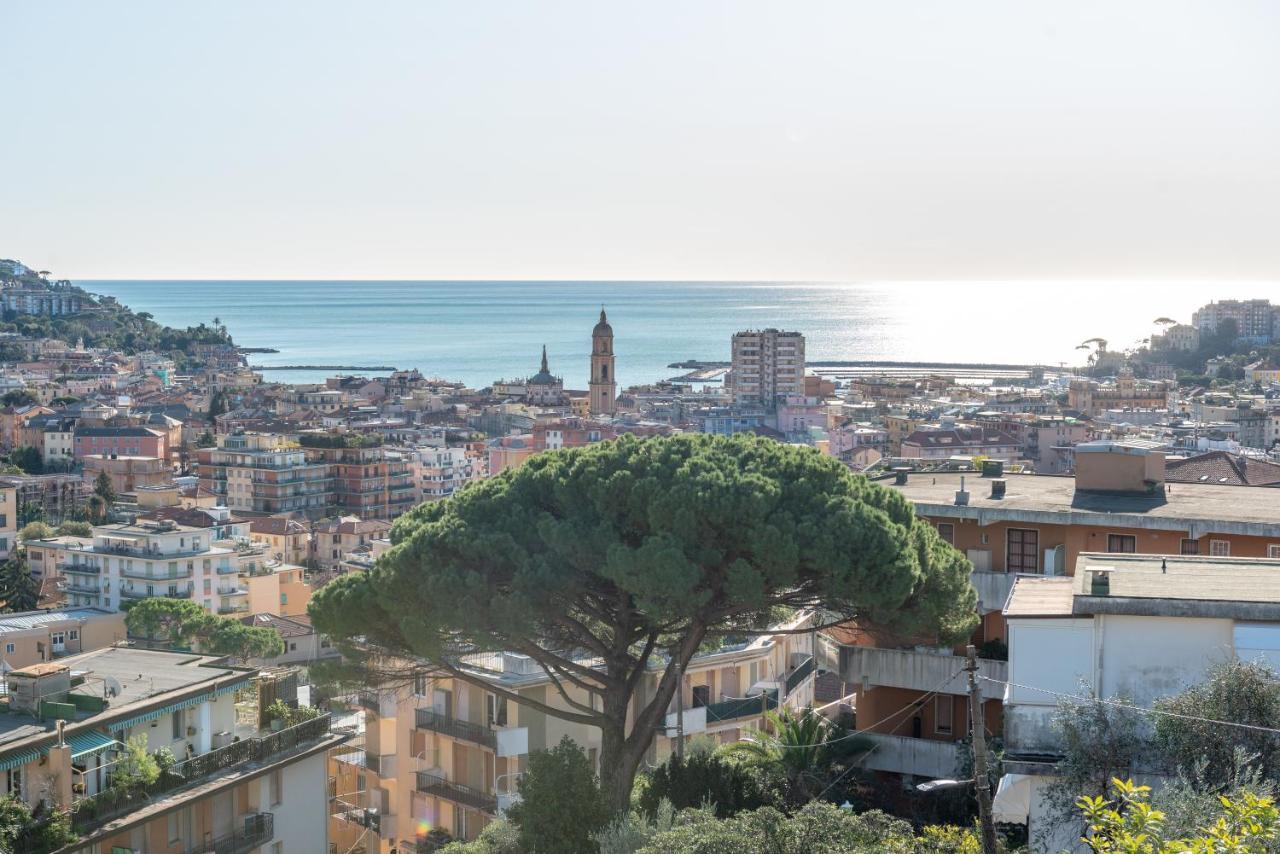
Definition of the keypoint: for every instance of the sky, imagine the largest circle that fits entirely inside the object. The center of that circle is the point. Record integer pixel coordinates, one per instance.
(834, 141)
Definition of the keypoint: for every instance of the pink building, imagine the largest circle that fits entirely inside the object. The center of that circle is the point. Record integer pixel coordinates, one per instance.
(121, 441)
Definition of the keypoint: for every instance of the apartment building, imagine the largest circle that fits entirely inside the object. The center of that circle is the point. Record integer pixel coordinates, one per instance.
(263, 473)
(236, 787)
(1051, 441)
(121, 442)
(287, 539)
(1254, 319)
(1141, 626)
(128, 474)
(448, 754)
(140, 560)
(8, 519)
(34, 637)
(372, 483)
(941, 444)
(911, 694)
(334, 539)
(1118, 501)
(440, 472)
(276, 588)
(766, 364)
(57, 495)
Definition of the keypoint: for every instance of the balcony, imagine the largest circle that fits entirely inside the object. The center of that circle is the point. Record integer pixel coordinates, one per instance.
(456, 729)
(918, 757)
(434, 784)
(227, 569)
(918, 671)
(993, 588)
(135, 593)
(94, 810)
(796, 677)
(232, 591)
(79, 569)
(224, 610)
(743, 707)
(82, 588)
(257, 831)
(168, 576)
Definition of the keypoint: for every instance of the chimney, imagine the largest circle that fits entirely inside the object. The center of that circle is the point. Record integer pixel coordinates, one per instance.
(997, 488)
(1100, 582)
(962, 496)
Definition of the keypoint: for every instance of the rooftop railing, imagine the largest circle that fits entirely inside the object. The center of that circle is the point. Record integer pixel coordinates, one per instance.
(93, 810)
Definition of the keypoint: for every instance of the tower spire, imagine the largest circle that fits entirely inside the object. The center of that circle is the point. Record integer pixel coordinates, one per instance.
(603, 319)
(544, 359)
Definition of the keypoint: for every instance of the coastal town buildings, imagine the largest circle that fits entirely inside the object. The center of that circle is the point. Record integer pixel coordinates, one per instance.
(1254, 319)
(1091, 398)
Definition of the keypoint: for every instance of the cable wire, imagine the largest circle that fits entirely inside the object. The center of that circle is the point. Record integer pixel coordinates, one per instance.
(1130, 707)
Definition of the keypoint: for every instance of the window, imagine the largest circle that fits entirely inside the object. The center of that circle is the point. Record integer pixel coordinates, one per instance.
(943, 713)
(1022, 551)
(8, 648)
(177, 725)
(947, 532)
(13, 781)
(293, 647)
(1273, 550)
(74, 634)
(58, 638)
(1190, 547)
(1219, 548)
(277, 788)
(1122, 543)
(701, 696)
(175, 827)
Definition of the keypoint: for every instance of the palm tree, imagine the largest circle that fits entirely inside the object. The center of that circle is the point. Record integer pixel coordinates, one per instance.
(805, 748)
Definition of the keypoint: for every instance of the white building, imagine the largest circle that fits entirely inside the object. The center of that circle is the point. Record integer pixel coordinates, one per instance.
(1138, 626)
(766, 363)
(139, 561)
(440, 472)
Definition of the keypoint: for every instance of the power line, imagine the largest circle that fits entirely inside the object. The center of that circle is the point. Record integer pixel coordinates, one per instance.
(1132, 708)
(866, 729)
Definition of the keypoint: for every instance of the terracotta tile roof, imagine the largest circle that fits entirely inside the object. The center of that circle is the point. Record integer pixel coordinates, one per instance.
(1223, 468)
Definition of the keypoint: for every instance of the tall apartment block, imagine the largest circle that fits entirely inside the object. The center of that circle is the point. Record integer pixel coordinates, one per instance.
(767, 364)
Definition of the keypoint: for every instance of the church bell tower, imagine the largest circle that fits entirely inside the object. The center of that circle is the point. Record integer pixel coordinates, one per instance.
(604, 388)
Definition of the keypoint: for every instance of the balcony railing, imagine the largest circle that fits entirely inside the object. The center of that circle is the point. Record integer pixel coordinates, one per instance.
(82, 588)
(80, 568)
(227, 570)
(434, 784)
(257, 831)
(454, 728)
(801, 673)
(94, 810)
(166, 576)
(135, 593)
(745, 707)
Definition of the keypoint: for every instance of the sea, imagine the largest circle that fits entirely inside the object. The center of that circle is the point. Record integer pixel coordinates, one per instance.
(478, 332)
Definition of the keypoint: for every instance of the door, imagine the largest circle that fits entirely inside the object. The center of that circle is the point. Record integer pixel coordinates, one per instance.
(442, 702)
(980, 558)
(222, 815)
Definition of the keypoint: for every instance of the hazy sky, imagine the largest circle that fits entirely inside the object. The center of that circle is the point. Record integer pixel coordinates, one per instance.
(847, 140)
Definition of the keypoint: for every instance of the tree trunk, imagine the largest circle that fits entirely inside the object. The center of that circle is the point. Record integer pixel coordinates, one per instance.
(620, 759)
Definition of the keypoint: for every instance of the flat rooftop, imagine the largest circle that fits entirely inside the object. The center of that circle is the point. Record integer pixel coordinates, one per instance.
(1154, 585)
(32, 619)
(1051, 499)
(145, 679)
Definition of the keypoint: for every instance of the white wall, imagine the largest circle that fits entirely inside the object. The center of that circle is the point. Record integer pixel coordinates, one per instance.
(301, 818)
(1146, 658)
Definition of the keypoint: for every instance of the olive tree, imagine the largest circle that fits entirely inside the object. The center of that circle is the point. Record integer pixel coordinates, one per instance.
(612, 562)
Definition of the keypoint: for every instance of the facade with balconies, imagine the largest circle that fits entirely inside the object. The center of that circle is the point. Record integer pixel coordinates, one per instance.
(459, 750)
(234, 787)
(127, 562)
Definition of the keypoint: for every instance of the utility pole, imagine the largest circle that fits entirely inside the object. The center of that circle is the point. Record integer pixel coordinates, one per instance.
(680, 713)
(977, 730)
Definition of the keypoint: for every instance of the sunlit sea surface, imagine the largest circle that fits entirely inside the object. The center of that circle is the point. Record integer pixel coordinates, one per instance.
(478, 332)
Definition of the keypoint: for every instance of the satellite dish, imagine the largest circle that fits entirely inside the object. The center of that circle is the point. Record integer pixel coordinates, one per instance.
(111, 687)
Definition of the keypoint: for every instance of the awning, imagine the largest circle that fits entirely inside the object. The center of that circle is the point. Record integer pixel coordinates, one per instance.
(1012, 803)
(22, 757)
(90, 742)
(152, 714)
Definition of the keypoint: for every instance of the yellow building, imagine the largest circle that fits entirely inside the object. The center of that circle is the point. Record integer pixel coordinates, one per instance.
(277, 588)
(448, 754)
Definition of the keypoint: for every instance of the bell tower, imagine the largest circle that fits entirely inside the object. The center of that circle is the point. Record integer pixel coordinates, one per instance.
(604, 387)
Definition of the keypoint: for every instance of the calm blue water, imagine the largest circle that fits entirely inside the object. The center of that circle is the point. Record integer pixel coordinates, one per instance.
(478, 332)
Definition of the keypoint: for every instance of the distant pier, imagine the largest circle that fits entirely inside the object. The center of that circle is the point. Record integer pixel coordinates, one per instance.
(322, 368)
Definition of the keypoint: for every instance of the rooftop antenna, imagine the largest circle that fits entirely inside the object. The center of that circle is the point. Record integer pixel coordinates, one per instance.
(1164, 565)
